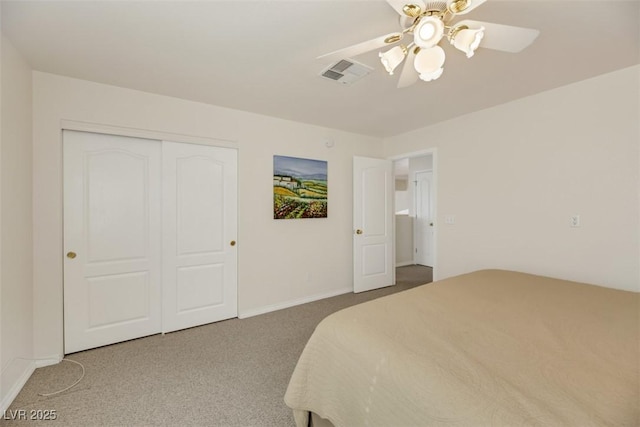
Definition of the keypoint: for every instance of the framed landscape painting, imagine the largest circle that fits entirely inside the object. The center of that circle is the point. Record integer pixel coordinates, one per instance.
(299, 188)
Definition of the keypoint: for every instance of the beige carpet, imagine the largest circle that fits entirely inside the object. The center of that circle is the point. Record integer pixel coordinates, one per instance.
(231, 373)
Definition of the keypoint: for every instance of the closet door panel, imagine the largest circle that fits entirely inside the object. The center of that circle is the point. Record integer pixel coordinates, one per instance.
(199, 233)
(112, 237)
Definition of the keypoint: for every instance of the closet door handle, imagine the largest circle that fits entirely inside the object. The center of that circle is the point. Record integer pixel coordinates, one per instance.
(71, 255)
(232, 243)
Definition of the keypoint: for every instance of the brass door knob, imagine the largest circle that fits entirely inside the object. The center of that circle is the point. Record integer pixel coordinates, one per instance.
(232, 243)
(358, 231)
(71, 255)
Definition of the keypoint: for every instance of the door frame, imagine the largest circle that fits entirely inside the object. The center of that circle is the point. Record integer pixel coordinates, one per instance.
(433, 152)
(73, 125)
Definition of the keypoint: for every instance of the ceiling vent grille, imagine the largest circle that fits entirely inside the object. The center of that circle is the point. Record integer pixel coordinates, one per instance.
(346, 72)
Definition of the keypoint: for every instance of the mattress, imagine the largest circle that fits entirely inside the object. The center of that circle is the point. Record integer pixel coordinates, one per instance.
(492, 347)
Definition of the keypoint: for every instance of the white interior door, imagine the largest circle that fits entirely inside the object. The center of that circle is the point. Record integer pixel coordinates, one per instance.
(112, 238)
(372, 224)
(423, 229)
(199, 229)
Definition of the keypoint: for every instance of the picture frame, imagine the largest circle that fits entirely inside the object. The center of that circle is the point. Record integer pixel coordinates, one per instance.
(300, 188)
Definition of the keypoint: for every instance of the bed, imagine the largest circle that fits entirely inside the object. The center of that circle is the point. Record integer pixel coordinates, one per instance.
(489, 348)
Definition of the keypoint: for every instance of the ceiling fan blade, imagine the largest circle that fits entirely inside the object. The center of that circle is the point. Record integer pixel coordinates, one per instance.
(460, 7)
(361, 48)
(503, 37)
(398, 6)
(409, 74)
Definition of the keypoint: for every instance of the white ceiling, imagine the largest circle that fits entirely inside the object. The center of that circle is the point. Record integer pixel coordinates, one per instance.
(259, 56)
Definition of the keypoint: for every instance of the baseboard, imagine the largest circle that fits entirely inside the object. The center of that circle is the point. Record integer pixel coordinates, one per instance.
(13, 380)
(404, 264)
(292, 303)
(48, 361)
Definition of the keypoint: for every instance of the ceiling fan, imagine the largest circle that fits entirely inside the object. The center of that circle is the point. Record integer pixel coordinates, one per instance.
(428, 23)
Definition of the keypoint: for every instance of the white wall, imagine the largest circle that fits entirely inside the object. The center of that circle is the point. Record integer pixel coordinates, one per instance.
(401, 195)
(404, 240)
(513, 175)
(16, 290)
(403, 222)
(281, 262)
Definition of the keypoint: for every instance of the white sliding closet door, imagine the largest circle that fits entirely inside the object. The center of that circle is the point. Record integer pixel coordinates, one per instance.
(199, 229)
(149, 235)
(112, 238)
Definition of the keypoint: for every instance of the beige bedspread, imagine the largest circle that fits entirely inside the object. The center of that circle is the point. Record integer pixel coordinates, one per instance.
(490, 348)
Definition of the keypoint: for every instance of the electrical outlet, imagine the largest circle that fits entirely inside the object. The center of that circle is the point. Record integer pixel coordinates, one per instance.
(575, 220)
(449, 219)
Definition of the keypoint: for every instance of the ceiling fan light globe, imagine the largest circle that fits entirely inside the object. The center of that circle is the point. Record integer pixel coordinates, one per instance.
(427, 77)
(392, 58)
(467, 40)
(428, 32)
(429, 62)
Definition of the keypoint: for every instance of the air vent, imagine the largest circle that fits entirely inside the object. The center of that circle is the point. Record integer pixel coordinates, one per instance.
(346, 71)
(330, 74)
(342, 65)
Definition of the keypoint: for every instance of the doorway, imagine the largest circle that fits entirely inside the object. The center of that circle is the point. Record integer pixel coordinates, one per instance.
(415, 210)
